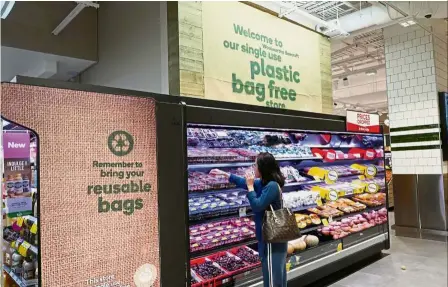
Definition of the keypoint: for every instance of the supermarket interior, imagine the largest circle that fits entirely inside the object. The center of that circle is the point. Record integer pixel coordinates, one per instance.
(122, 121)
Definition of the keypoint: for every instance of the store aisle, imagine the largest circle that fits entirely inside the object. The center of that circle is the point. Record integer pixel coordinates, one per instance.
(424, 261)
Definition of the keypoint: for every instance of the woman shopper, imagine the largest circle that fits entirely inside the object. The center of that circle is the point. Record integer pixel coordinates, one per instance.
(263, 192)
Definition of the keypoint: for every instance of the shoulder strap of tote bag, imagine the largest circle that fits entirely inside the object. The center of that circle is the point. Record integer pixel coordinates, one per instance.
(281, 198)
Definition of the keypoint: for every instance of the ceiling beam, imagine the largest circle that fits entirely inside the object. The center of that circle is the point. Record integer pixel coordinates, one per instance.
(371, 54)
(363, 70)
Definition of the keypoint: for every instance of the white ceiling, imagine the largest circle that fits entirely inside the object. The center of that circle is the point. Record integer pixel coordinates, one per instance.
(16, 62)
(355, 29)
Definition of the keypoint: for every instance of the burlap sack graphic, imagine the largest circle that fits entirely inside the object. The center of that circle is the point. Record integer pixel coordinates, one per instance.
(84, 241)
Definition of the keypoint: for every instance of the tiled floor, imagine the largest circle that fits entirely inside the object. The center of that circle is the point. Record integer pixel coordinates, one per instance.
(424, 261)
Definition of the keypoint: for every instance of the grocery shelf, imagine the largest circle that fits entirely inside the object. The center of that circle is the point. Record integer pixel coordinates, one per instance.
(328, 250)
(310, 229)
(19, 281)
(368, 209)
(301, 208)
(193, 166)
(33, 249)
(218, 217)
(203, 253)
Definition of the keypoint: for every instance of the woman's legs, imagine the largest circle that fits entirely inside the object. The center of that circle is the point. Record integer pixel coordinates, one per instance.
(274, 265)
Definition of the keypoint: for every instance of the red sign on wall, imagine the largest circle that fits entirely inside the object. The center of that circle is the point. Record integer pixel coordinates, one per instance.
(363, 122)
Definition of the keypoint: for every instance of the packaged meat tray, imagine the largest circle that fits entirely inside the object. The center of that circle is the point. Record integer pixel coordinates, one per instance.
(326, 211)
(211, 235)
(213, 155)
(201, 181)
(371, 200)
(215, 203)
(297, 199)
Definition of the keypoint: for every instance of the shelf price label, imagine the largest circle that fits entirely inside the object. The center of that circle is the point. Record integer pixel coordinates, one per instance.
(331, 177)
(339, 248)
(333, 195)
(33, 228)
(372, 188)
(371, 171)
(325, 222)
(243, 212)
(20, 221)
(319, 201)
(23, 248)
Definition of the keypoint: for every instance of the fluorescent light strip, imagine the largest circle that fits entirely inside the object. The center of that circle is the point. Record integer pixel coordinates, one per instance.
(6, 7)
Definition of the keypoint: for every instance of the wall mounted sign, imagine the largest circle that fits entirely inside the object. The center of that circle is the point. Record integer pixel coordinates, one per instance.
(98, 184)
(363, 122)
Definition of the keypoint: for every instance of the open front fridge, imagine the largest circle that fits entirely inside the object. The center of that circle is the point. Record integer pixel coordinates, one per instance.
(335, 185)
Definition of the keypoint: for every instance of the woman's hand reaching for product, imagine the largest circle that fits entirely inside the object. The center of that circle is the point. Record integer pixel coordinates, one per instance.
(250, 179)
(219, 172)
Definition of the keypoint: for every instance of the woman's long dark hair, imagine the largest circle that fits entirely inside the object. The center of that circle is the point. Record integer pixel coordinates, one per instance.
(269, 169)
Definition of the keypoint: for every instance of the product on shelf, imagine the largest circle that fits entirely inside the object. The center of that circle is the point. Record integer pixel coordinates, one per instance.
(215, 204)
(346, 205)
(204, 181)
(300, 244)
(211, 235)
(292, 175)
(369, 199)
(372, 141)
(297, 199)
(207, 269)
(284, 151)
(341, 170)
(228, 261)
(246, 254)
(304, 220)
(326, 211)
(209, 155)
(355, 223)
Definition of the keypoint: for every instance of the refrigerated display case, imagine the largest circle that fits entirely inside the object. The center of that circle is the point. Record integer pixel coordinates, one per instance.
(335, 181)
(335, 185)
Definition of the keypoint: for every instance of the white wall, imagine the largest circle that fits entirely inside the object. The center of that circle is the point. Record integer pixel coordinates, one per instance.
(132, 47)
(412, 97)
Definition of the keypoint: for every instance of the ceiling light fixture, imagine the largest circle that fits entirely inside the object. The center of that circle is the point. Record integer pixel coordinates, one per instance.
(408, 23)
(371, 73)
(5, 8)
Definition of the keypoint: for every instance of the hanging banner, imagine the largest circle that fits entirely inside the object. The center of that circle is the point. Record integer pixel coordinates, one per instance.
(255, 58)
(363, 122)
(17, 173)
(98, 200)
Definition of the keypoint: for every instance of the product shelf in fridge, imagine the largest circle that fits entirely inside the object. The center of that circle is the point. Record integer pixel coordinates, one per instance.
(240, 259)
(208, 236)
(217, 137)
(213, 204)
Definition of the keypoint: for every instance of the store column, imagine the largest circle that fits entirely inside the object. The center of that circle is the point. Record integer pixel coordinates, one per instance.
(414, 78)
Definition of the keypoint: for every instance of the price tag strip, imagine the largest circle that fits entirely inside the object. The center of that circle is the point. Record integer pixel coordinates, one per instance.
(372, 188)
(331, 177)
(333, 195)
(339, 248)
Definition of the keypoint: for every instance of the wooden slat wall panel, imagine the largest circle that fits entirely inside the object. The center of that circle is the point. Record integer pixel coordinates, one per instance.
(325, 74)
(191, 60)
